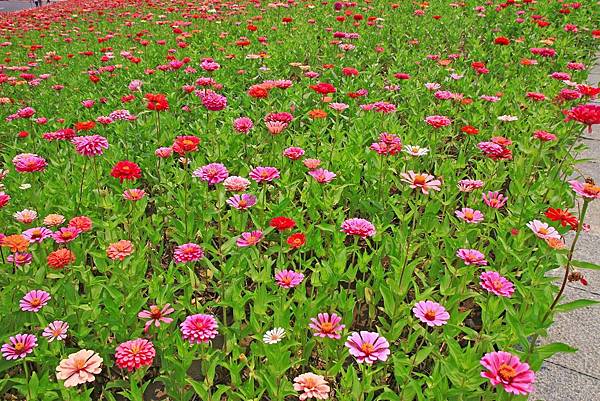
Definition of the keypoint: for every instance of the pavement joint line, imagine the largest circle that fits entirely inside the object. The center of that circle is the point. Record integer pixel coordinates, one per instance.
(587, 138)
(583, 290)
(572, 370)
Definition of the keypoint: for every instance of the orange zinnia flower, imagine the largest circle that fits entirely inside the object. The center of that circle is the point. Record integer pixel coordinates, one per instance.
(16, 243)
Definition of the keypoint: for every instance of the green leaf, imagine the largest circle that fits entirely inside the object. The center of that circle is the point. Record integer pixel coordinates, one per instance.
(585, 265)
(546, 351)
(580, 303)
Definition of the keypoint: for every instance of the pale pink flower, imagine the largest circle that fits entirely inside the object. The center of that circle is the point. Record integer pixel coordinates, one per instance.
(134, 194)
(431, 313)
(79, 368)
(322, 176)
(310, 385)
(236, 184)
(543, 230)
(164, 152)
(241, 202)
(25, 216)
(469, 185)
(57, 330)
(469, 215)
(275, 127)
(425, 182)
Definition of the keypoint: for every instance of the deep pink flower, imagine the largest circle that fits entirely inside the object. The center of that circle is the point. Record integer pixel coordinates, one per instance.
(368, 347)
(65, 234)
(288, 278)
(326, 325)
(360, 227)
(29, 163)
(493, 282)
(587, 114)
(293, 153)
(243, 125)
(507, 370)
(322, 176)
(34, 301)
(37, 234)
(431, 313)
(199, 328)
(189, 252)
(212, 101)
(494, 199)
(249, 238)
(264, 174)
(92, 145)
(472, 257)
(213, 173)
(588, 190)
(156, 316)
(438, 121)
(19, 346)
(134, 354)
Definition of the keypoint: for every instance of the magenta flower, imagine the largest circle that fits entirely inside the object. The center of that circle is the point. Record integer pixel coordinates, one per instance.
(586, 190)
(243, 125)
(264, 174)
(249, 238)
(29, 163)
(241, 202)
(431, 313)
(19, 258)
(438, 121)
(34, 301)
(360, 227)
(469, 215)
(494, 199)
(37, 234)
(65, 234)
(507, 370)
(57, 330)
(134, 354)
(212, 101)
(326, 325)
(368, 347)
(213, 173)
(156, 316)
(322, 176)
(288, 278)
(493, 282)
(189, 252)
(472, 257)
(199, 328)
(92, 145)
(19, 346)
(293, 153)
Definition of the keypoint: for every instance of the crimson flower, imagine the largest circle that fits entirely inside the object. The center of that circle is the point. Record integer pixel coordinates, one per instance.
(126, 170)
(563, 216)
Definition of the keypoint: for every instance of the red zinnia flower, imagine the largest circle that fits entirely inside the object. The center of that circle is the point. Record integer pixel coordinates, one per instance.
(323, 88)
(282, 223)
(126, 170)
(185, 144)
(470, 130)
(157, 102)
(296, 240)
(85, 125)
(563, 216)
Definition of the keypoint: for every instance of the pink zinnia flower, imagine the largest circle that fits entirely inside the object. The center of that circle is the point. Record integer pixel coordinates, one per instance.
(469, 215)
(19, 258)
(288, 278)
(425, 182)
(326, 325)
(29, 163)
(310, 385)
(92, 145)
(275, 127)
(37, 234)
(134, 354)
(212, 101)
(156, 316)
(472, 257)
(189, 252)
(249, 238)
(469, 185)
(494, 199)
(212, 173)
(164, 152)
(79, 368)
(322, 176)
(360, 227)
(438, 121)
(65, 234)
(19, 346)
(119, 250)
(236, 184)
(243, 125)
(507, 370)
(199, 328)
(134, 194)
(241, 202)
(544, 136)
(264, 174)
(57, 330)
(368, 347)
(34, 300)
(493, 282)
(293, 153)
(543, 230)
(431, 313)
(587, 190)
(311, 164)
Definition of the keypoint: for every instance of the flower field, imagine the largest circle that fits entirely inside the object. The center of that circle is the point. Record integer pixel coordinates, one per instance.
(218, 200)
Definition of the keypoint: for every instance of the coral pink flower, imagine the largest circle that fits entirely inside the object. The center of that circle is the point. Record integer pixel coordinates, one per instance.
(119, 250)
(311, 164)
(288, 278)
(310, 385)
(134, 194)
(507, 370)
(544, 136)
(326, 325)
(34, 300)
(236, 184)
(242, 202)
(275, 127)
(249, 238)
(493, 282)
(264, 174)
(431, 313)
(57, 330)
(134, 354)
(322, 176)
(19, 346)
(425, 182)
(543, 230)
(37, 234)
(360, 227)
(368, 347)
(79, 368)
(82, 223)
(472, 257)
(164, 152)
(438, 121)
(92, 145)
(189, 252)
(587, 190)
(243, 125)
(156, 316)
(494, 199)
(65, 234)
(212, 173)
(469, 215)
(199, 328)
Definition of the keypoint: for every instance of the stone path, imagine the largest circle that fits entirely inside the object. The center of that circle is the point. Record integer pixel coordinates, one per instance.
(576, 376)
(16, 5)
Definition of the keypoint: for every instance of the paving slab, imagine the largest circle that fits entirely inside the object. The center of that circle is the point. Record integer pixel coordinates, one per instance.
(559, 383)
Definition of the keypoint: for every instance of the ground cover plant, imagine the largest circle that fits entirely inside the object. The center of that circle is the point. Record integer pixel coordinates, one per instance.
(272, 201)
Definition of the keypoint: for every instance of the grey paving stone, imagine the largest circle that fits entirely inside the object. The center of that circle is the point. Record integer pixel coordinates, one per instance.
(556, 383)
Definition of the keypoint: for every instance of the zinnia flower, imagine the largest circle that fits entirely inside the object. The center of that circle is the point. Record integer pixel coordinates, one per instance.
(586, 189)
(79, 368)
(57, 330)
(34, 301)
(368, 347)
(199, 328)
(543, 230)
(134, 354)
(469, 215)
(322, 176)
(472, 257)
(425, 182)
(241, 202)
(126, 170)
(19, 346)
(213, 173)
(65, 234)
(507, 370)
(92, 145)
(15, 243)
(156, 316)
(438, 121)
(326, 325)
(249, 238)
(29, 163)
(53, 220)
(282, 223)
(119, 250)
(493, 282)
(431, 313)
(189, 252)
(134, 194)
(494, 199)
(236, 184)
(288, 278)
(296, 240)
(60, 258)
(360, 227)
(310, 385)
(274, 336)
(37, 234)
(264, 174)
